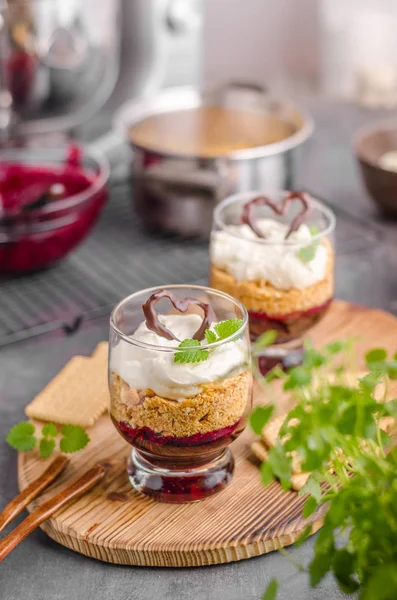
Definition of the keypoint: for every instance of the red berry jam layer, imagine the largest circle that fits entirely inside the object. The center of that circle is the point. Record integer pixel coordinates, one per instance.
(134, 435)
(289, 326)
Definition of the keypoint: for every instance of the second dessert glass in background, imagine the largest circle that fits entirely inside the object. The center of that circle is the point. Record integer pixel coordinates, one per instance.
(275, 254)
(180, 408)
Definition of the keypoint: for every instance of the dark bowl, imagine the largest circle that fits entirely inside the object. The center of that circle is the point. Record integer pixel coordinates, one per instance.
(370, 144)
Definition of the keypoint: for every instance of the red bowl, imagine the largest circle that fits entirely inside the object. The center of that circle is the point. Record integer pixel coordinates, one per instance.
(37, 230)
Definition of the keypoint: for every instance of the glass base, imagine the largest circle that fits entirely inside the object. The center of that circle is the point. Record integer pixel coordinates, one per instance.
(179, 485)
(286, 355)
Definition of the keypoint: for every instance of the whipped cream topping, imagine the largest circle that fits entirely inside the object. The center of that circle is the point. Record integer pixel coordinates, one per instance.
(247, 259)
(144, 368)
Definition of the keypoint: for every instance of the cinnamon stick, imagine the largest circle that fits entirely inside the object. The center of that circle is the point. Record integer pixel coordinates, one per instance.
(79, 487)
(32, 491)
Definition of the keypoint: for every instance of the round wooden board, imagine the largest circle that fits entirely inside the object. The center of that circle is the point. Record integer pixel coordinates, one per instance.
(115, 524)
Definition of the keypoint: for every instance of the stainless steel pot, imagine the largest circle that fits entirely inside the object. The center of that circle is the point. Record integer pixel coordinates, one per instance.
(175, 192)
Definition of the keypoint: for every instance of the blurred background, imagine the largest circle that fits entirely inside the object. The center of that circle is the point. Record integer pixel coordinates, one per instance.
(94, 206)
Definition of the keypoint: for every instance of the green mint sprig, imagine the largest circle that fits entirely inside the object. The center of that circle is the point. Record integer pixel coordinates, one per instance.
(22, 437)
(190, 351)
(334, 429)
(307, 253)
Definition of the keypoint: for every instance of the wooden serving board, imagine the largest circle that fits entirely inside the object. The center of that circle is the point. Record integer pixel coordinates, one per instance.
(115, 524)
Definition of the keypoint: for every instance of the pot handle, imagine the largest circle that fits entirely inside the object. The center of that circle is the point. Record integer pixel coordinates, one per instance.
(250, 86)
(118, 152)
(240, 94)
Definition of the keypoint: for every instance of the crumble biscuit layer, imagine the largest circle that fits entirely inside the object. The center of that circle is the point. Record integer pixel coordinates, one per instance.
(262, 296)
(219, 404)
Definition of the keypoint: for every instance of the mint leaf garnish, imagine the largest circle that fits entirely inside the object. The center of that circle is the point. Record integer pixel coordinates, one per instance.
(314, 230)
(46, 447)
(210, 336)
(74, 438)
(21, 436)
(307, 253)
(189, 351)
(225, 329)
(50, 430)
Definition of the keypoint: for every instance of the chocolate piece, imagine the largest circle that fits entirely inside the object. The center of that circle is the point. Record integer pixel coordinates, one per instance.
(279, 209)
(152, 320)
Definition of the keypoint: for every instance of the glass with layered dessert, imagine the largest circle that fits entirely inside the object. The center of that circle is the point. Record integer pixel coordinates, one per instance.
(275, 254)
(180, 387)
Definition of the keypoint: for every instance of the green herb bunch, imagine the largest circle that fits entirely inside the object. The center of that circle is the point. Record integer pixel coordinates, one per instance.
(23, 437)
(334, 429)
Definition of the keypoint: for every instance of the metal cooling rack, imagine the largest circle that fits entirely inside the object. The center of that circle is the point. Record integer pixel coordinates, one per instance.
(117, 259)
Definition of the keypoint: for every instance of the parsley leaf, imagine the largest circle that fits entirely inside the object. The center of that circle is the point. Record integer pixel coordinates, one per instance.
(281, 465)
(225, 329)
(314, 230)
(376, 355)
(313, 488)
(266, 474)
(271, 590)
(297, 377)
(265, 340)
(259, 417)
(21, 436)
(50, 430)
(382, 585)
(319, 567)
(343, 567)
(46, 447)
(309, 507)
(304, 535)
(74, 438)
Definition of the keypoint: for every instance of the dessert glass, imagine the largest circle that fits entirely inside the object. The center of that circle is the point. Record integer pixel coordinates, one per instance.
(286, 278)
(179, 417)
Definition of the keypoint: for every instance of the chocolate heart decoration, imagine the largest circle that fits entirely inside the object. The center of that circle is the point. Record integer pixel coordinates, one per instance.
(279, 209)
(152, 318)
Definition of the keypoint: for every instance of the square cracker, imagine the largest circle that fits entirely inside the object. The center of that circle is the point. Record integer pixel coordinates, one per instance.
(271, 430)
(260, 450)
(77, 395)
